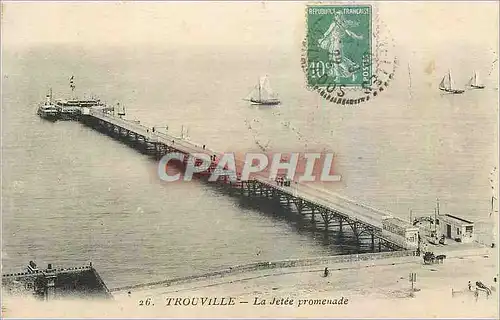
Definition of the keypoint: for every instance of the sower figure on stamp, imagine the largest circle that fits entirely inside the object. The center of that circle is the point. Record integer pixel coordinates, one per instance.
(332, 41)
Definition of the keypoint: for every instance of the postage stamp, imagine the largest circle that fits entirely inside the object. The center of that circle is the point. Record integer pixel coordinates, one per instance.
(347, 53)
(339, 45)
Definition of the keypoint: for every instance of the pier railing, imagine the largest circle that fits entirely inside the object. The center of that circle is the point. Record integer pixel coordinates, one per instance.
(311, 195)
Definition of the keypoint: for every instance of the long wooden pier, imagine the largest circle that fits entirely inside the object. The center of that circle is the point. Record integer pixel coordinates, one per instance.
(320, 209)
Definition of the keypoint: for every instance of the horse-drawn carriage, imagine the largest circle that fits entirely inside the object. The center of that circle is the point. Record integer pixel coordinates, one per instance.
(431, 258)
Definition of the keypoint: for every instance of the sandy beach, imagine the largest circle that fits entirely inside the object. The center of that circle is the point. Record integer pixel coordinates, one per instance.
(378, 288)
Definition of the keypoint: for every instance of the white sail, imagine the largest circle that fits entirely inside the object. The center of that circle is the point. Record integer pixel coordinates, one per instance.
(266, 90)
(450, 81)
(447, 82)
(442, 84)
(448, 85)
(474, 81)
(254, 94)
(262, 92)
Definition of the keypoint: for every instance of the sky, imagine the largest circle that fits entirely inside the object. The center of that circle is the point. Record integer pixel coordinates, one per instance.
(421, 25)
(152, 22)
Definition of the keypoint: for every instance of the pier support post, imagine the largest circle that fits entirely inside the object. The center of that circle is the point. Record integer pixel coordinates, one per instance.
(354, 227)
(326, 218)
(373, 242)
(50, 286)
(299, 204)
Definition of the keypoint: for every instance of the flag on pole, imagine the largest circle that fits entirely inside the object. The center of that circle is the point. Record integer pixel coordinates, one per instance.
(72, 83)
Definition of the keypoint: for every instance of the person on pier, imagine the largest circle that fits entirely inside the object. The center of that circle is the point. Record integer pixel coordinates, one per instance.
(278, 181)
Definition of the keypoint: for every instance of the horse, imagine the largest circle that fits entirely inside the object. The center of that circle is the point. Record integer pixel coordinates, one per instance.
(440, 258)
(429, 258)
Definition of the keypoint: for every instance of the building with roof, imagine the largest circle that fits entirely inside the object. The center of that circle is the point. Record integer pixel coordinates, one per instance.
(455, 228)
(401, 232)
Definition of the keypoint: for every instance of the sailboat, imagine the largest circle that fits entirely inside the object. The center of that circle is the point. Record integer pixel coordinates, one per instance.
(263, 94)
(474, 82)
(447, 85)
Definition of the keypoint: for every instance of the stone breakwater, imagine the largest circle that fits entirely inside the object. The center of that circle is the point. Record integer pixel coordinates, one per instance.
(51, 283)
(272, 265)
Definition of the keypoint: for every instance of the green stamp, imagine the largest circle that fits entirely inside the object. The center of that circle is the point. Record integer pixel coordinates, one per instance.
(339, 46)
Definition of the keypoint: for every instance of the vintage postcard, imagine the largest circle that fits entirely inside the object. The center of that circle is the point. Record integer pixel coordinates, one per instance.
(255, 159)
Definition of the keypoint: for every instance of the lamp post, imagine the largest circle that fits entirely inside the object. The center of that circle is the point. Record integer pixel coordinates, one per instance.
(182, 133)
(413, 279)
(436, 214)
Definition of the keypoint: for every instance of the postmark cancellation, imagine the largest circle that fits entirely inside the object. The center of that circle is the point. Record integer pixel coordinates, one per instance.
(346, 53)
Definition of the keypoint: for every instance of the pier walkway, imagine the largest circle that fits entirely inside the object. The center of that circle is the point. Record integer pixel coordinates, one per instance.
(320, 206)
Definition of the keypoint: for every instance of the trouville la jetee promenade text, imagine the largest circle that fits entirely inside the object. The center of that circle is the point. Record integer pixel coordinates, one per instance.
(256, 301)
